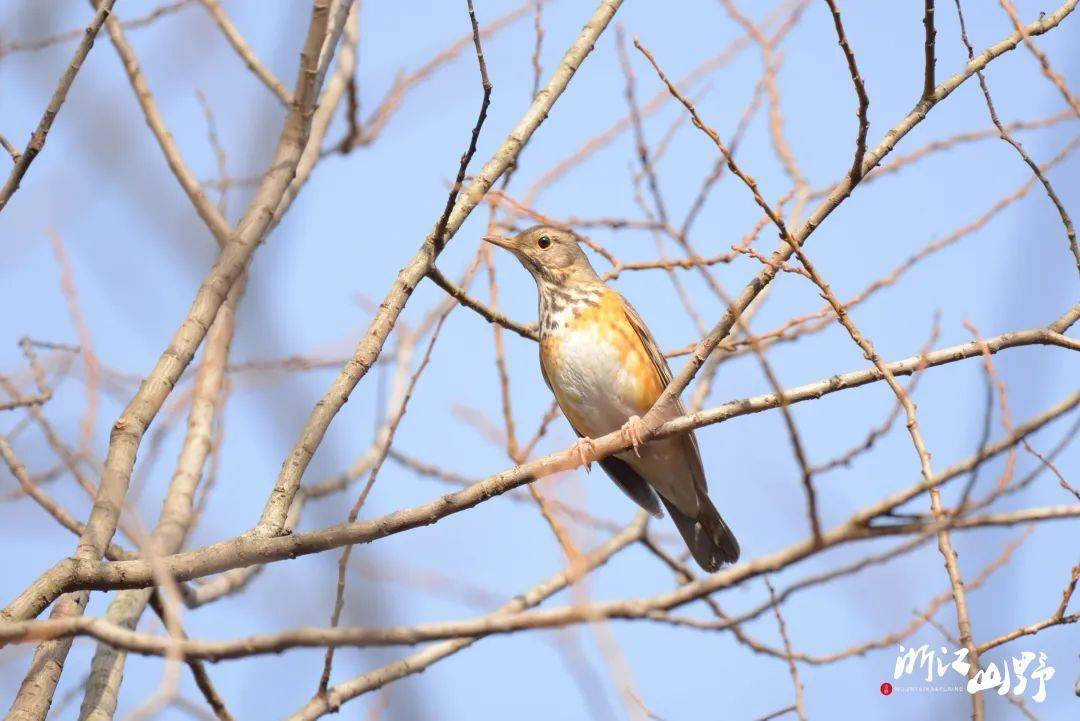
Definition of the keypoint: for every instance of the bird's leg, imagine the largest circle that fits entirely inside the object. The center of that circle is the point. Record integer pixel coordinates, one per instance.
(632, 431)
(585, 450)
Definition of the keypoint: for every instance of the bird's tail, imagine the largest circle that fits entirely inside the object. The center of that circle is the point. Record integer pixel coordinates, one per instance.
(709, 539)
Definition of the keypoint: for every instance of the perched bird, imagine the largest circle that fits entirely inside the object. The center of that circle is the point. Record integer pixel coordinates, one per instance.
(605, 370)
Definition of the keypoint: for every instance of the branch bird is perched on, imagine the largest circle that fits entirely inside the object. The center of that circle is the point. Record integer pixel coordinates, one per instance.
(606, 370)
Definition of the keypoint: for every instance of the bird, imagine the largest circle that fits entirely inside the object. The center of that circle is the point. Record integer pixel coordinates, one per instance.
(605, 370)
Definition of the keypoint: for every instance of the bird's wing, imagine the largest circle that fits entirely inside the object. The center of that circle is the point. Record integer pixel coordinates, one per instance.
(707, 536)
(693, 454)
(655, 354)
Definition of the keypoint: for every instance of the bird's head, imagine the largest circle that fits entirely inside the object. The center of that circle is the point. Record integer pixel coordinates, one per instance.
(551, 254)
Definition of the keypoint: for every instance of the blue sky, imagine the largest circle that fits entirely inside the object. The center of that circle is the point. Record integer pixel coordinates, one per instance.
(138, 252)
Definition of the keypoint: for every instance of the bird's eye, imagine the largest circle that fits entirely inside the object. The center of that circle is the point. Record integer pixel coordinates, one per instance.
(544, 242)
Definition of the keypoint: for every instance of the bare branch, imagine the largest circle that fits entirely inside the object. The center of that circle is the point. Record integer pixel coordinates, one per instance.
(860, 87)
(246, 53)
(37, 139)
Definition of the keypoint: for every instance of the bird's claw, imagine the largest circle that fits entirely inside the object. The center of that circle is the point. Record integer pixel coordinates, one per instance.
(586, 452)
(632, 431)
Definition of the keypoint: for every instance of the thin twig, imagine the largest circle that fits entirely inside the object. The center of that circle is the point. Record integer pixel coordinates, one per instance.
(860, 86)
(37, 139)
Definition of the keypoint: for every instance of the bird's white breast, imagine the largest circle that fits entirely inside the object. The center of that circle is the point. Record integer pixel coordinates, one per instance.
(590, 380)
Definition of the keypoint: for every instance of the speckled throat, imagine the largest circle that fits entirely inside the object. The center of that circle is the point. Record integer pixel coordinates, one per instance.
(561, 303)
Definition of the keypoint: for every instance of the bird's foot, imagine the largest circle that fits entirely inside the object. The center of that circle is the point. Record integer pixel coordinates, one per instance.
(632, 431)
(586, 452)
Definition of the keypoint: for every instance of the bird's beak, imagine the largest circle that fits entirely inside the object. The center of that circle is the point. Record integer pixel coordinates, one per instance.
(500, 241)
